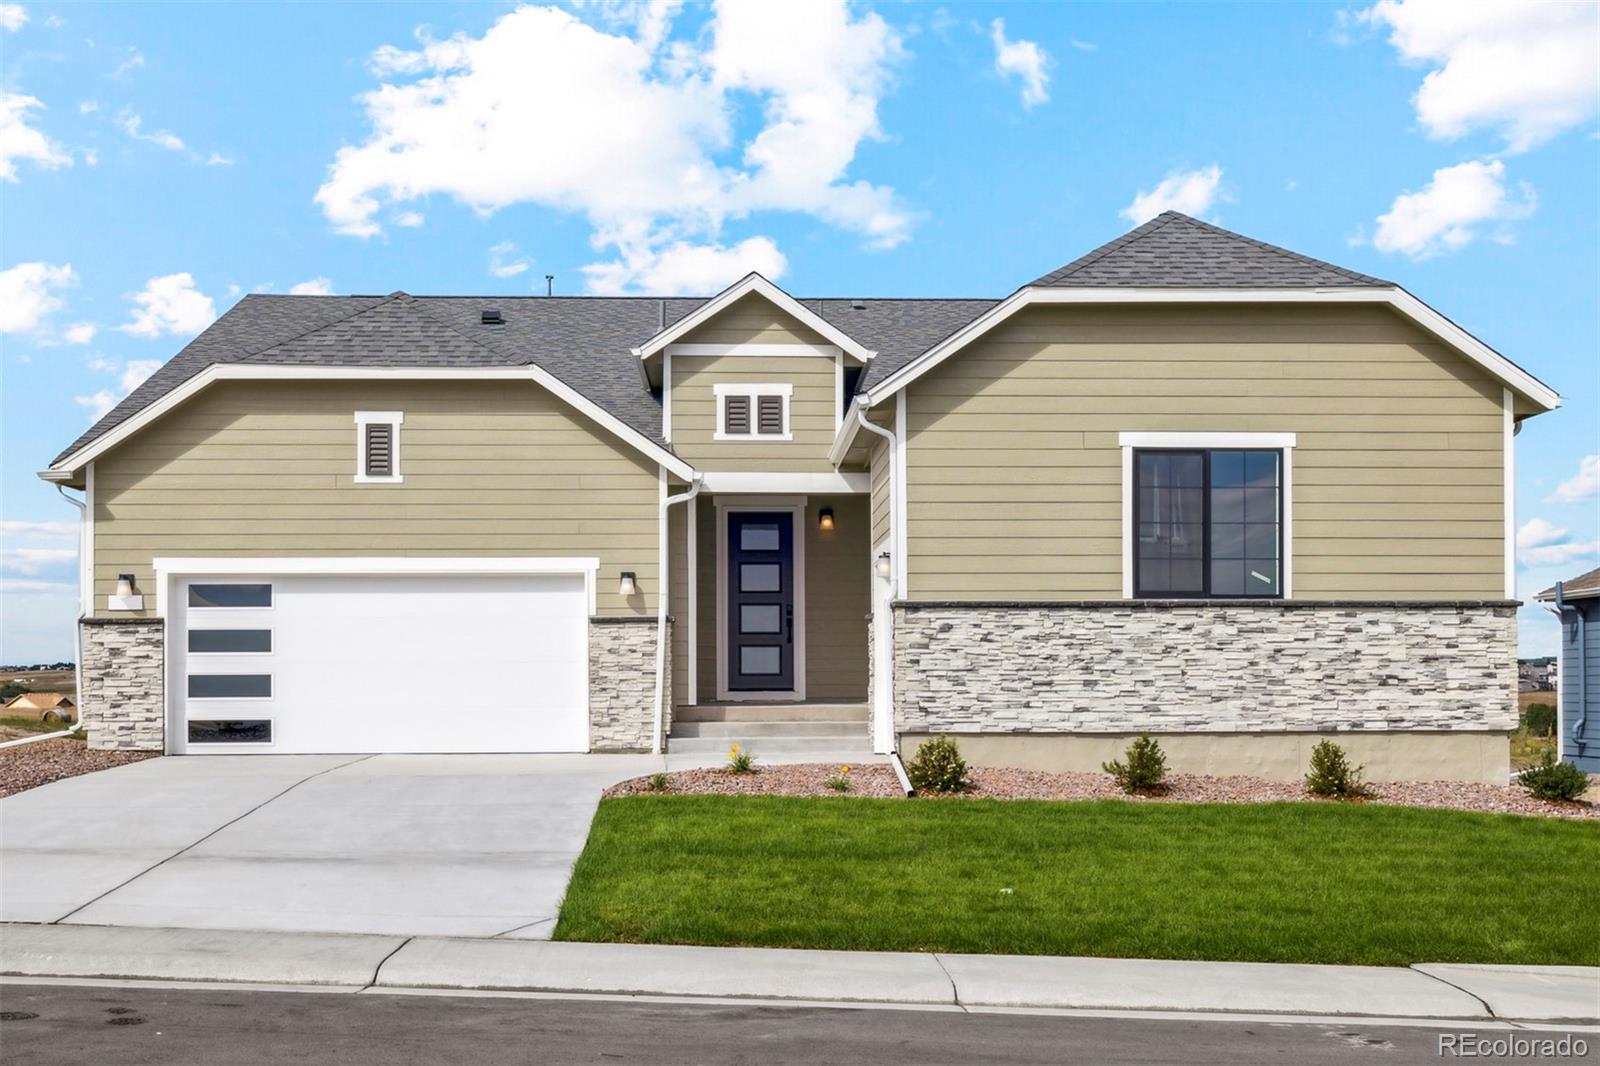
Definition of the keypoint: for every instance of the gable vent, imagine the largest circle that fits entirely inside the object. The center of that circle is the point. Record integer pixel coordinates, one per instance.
(380, 449)
(769, 415)
(490, 316)
(736, 414)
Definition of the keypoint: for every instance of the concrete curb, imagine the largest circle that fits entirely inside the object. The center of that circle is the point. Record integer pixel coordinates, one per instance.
(1507, 993)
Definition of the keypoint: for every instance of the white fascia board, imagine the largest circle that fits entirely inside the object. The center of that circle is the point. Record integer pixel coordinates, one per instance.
(845, 436)
(1400, 300)
(757, 284)
(764, 349)
(853, 483)
(256, 372)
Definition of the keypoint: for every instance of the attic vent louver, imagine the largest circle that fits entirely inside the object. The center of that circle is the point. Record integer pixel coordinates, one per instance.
(491, 317)
(858, 305)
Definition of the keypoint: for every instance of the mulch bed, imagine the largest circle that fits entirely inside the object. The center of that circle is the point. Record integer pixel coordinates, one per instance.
(31, 765)
(878, 780)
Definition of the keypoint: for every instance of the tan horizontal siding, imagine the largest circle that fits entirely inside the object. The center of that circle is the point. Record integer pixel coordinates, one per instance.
(812, 418)
(881, 465)
(267, 468)
(1015, 476)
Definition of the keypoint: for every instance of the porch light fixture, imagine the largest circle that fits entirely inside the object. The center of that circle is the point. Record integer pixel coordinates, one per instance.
(825, 519)
(125, 598)
(124, 586)
(627, 586)
(884, 569)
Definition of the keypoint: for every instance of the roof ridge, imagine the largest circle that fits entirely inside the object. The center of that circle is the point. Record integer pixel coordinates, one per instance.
(376, 301)
(1116, 244)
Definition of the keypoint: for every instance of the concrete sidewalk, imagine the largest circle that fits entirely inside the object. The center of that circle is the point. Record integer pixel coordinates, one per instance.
(1516, 993)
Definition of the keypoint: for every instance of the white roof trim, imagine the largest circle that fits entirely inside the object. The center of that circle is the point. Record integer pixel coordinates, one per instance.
(252, 372)
(803, 484)
(1402, 301)
(757, 284)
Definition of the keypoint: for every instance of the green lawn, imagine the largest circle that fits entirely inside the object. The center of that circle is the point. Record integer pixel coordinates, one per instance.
(1297, 882)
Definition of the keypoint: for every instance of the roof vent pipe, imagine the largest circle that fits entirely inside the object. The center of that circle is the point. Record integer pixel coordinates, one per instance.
(549, 284)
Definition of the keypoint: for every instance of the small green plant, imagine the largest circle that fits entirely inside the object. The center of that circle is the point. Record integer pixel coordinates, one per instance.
(1331, 773)
(1540, 719)
(938, 767)
(741, 761)
(1145, 768)
(659, 783)
(840, 782)
(1552, 780)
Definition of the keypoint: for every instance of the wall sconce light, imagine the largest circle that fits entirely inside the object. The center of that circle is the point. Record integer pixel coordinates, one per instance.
(825, 519)
(124, 586)
(125, 598)
(627, 586)
(884, 569)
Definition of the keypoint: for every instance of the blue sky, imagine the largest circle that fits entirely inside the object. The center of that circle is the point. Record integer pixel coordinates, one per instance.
(158, 161)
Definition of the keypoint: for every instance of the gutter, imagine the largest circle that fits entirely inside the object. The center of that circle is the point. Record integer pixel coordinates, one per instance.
(892, 744)
(656, 739)
(77, 633)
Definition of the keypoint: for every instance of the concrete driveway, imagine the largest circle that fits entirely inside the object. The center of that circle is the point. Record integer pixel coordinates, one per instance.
(451, 845)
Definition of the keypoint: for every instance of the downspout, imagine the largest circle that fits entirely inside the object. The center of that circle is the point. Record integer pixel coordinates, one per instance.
(77, 632)
(1583, 664)
(661, 613)
(894, 754)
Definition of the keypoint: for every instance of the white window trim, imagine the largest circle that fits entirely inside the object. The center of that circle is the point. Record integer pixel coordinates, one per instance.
(393, 419)
(722, 391)
(1509, 476)
(1281, 441)
(796, 507)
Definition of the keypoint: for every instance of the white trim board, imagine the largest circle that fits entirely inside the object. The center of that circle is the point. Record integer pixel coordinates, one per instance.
(394, 420)
(1400, 300)
(167, 567)
(1508, 472)
(763, 349)
(252, 372)
(755, 283)
(796, 506)
(834, 484)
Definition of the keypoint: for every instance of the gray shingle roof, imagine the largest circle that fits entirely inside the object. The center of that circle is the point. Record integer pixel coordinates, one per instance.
(1581, 587)
(1174, 251)
(587, 341)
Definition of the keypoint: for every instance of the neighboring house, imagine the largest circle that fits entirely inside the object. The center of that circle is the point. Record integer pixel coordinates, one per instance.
(1190, 484)
(44, 704)
(1577, 606)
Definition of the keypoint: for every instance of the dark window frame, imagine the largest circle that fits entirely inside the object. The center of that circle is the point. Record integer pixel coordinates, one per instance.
(1205, 454)
(219, 735)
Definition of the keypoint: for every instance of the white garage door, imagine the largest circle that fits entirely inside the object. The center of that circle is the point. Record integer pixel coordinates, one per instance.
(380, 663)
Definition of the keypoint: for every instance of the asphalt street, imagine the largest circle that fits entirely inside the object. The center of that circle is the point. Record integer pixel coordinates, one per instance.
(47, 1025)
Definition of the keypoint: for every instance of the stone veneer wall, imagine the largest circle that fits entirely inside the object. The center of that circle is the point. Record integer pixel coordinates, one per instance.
(123, 702)
(1220, 667)
(622, 683)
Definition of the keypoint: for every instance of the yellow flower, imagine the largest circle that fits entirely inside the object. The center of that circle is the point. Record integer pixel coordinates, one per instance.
(734, 748)
(844, 769)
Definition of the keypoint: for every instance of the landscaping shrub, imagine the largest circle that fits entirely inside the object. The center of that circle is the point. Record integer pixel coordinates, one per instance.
(1540, 719)
(659, 783)
(1145, 768)
(1331, 773)
(1552, 780)
(938, 767)
(840, 782)
(741, 761)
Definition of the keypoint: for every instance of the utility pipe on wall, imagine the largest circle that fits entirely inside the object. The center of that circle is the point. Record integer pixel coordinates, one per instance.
(887, 743)
(1583, 672)
(661, 611)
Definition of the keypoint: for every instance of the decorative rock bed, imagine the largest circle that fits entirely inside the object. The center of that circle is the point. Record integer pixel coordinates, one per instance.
(31, 765)
(878, 781)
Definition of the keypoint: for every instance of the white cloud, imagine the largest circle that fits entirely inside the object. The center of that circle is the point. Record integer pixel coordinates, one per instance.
(1023, 60)
(134, 61)
(1192, 191)
(1585, 485)
(1443, 217)
(12, 16)
(170, 304)
(131, 375)
(648, 151)
(1526, 70)
(504, 262)
(684, 269)
(318, 286)
(80, 332)
(98, 403)
(18, 140)
(217, 159)
(133, 126)
(409, 219)
(28, 294)
(1536, 533)
(88, 107)
(41, 530)
(1559, 554)
(135, 373)
(32, 560)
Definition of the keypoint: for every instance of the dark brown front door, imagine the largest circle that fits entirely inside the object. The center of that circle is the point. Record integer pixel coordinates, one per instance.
(760, 601)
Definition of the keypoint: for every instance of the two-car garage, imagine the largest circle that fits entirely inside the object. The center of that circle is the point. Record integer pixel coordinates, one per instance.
(378, 656)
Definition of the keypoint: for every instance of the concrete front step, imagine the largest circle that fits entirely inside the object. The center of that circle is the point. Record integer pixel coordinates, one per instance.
(763, 712)
(825, 747)
(739, 730)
